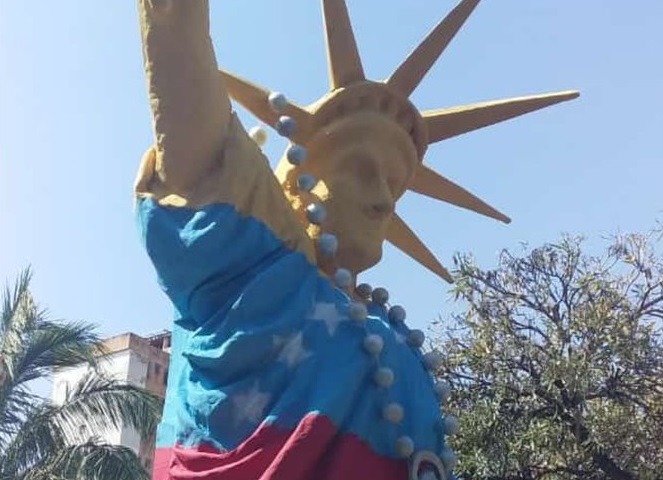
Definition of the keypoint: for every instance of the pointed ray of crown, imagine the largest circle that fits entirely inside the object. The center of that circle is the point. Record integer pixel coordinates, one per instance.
(350, 91)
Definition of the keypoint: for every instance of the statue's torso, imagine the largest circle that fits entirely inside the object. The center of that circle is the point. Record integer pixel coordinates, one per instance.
(267, 369)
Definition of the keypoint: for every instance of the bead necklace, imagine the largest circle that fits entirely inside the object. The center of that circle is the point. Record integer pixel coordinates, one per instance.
(424, 465)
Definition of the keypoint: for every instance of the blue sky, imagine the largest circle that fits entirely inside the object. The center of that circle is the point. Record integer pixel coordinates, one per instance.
(74, 122)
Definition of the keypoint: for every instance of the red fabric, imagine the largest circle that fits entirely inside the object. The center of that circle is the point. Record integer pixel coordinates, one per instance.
(313, 451)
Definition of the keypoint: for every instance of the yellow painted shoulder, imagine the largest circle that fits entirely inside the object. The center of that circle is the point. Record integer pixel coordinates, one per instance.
(241, 177)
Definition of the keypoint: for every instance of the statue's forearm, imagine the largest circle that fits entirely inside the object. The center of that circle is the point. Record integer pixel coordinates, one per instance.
(189, 103)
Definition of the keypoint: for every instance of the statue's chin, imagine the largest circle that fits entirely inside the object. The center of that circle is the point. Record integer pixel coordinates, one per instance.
(359, 257)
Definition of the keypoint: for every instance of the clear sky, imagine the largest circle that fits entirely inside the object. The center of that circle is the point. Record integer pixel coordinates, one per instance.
(74, 122)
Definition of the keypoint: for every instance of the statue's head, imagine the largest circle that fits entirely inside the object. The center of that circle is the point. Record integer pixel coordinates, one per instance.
(359, 148)
(362, 154)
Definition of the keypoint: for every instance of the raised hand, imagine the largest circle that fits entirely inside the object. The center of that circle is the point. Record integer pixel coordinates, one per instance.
(189, 104)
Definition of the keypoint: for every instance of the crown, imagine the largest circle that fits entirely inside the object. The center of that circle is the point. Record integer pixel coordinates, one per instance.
(350, 92)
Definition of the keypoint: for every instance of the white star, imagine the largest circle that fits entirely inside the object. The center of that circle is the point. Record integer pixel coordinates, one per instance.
(327, 312)
(293, 352)
(250, 406)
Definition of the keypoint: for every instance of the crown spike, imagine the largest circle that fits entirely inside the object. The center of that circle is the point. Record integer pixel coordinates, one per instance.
(342, 54)
(256, 100)
(431, 184)
(450, 122)
(415, 67)
(403, 238)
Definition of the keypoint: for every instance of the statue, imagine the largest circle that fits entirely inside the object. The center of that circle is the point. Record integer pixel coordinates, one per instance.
(282, 367)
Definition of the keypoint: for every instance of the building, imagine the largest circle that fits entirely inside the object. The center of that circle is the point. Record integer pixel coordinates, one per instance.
(142, 362)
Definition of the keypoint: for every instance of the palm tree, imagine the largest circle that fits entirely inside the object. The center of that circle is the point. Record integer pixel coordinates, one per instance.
(40, 440)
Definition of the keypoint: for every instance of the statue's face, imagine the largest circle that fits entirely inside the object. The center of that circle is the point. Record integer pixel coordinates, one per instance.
(364, 163)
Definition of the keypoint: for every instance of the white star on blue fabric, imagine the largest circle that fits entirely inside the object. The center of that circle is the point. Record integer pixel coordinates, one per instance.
(293, 352)
(327, 313)
(250, 406)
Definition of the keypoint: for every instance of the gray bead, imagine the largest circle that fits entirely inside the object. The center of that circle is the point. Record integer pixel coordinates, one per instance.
(296, 154)
(343, 278)
(442, 390)
(397, 313)
(416, 338)
(433, 360)
(373, 344)
(393, 413)
(451, 425)
(357, 311)
(306, 182)
(404, 446)
(278, 102)
(380, 295)
(364, 291)
(286, 126)
(384, 377)
(316, 213)
(328, 244)
(449, 459)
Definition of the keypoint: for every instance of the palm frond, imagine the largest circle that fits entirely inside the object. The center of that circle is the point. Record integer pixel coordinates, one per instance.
(17, 405)
(18, 318)
(35, 439)
(102, 403)
(93, 460)
(43, 441)
(57, 345)
(98, 403)
(11, 300)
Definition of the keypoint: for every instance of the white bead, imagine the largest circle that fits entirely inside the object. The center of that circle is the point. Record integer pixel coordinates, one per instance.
(286, 126)
(259, 135)
(396, 313)
(384, 377)
(449, 459)
(316, 213)
(416, 338)
(343, 278)
(451, 425)
(296, 154)
(404, 446)
(277, 102)
(364, 291)
(393, 413)
(306, 182)
(328, 244)
(433, 360)
(373, 344)
(380, 295)
(357, 311)
(442, 390)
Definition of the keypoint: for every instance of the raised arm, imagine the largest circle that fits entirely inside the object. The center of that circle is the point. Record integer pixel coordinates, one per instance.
(190, 107)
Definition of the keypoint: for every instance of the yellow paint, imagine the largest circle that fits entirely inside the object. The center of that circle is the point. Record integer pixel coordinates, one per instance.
(366, 140)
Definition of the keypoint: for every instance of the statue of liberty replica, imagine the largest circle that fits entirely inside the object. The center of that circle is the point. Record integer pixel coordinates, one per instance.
(283, 367)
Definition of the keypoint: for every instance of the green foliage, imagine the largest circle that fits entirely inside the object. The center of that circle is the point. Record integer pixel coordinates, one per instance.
(557, 363)
(40, 440)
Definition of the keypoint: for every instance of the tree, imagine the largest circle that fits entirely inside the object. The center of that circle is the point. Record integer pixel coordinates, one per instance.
(557, 363)
(43, 441)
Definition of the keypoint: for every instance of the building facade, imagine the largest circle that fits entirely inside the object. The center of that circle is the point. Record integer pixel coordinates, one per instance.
(140, 361)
